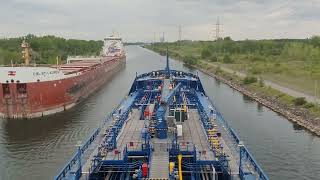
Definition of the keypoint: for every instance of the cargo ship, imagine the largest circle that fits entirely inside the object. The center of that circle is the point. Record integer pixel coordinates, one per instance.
(166, 127)
(30, 91)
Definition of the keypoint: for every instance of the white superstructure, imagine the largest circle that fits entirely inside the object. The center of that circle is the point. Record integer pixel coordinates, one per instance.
(113, 46)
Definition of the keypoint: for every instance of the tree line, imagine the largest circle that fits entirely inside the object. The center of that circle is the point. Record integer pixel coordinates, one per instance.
(45, 49)
(261, 50)
(228, 51)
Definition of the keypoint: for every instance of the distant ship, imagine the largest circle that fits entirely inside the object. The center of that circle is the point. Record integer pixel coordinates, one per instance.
(30, 91)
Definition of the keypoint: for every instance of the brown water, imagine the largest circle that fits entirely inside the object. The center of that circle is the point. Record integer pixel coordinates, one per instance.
(39, 148)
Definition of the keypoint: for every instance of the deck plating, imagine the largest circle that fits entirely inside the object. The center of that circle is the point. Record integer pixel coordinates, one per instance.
(139, 139)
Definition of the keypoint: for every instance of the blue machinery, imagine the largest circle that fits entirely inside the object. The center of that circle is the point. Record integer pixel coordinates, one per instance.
(164, 89)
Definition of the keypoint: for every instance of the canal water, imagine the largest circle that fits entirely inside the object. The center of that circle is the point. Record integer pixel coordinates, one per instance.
(38, 148)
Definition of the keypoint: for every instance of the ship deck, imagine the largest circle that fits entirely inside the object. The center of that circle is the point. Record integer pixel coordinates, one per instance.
(192, 132)
(128, 147)
(83, 63)
(131, 132)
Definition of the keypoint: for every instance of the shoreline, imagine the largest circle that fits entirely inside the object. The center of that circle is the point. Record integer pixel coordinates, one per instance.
(271, 105)
(306, 121)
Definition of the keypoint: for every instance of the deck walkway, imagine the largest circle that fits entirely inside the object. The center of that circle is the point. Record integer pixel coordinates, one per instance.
(159, 166)
(131, 132)
(192, 132)
(132, 121)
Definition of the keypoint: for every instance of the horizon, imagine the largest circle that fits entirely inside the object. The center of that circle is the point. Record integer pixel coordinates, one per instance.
(250, 19)
(39, 36)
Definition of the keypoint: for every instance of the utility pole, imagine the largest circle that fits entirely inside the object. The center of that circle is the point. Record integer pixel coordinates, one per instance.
(163, 37)
(154, 40)
(180, 33)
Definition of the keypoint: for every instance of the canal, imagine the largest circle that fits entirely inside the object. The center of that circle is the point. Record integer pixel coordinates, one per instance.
(38, 148)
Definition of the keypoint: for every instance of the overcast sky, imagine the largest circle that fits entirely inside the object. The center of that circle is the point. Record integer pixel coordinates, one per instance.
(139, 20)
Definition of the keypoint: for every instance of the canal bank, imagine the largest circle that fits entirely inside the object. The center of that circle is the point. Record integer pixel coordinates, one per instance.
(37, 149)
(297, 115)
(291, 114)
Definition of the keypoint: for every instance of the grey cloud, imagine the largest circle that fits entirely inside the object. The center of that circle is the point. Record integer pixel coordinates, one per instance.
(140, 19)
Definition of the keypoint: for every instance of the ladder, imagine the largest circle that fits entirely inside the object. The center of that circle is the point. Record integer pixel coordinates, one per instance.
(159, 166)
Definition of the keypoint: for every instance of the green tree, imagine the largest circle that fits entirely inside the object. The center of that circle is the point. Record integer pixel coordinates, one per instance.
(227, 59)
(213, 58)
(249, 80)
(205, 53)
(190, 60)
(315, 41)
(299, 101)
(47, 48)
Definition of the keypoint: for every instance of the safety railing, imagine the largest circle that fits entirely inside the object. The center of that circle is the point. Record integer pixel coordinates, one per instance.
(66, 170)
(244, 150)
(76, 158)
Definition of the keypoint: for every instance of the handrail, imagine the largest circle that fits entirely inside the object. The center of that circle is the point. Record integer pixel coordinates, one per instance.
(257, 167)
(62, 173)
(235, 137)
(75, 158)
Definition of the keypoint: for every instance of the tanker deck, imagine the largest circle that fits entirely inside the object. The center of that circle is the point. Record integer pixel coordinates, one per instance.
(165, 128)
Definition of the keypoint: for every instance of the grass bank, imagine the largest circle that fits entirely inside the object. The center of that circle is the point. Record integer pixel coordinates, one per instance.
(293, 63)
(295, 109)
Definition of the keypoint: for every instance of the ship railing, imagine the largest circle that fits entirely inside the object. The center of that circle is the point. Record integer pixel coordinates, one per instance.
(73, 57)
(69, 167)
(134, 146)
(243, 151)
(186, 146)
(110, 116)
(79, 58)
(181, 147)
(246, 155)
(247, 163)
(133, 165)
(30, 65)
(76, 158)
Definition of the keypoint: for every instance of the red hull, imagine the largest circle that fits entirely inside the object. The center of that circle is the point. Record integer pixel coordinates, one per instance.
(48, 97)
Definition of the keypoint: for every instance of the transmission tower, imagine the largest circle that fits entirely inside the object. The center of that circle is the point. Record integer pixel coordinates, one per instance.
(218, 29)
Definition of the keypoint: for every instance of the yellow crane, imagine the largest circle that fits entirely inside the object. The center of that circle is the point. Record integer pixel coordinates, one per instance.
(26, 53)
